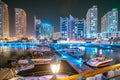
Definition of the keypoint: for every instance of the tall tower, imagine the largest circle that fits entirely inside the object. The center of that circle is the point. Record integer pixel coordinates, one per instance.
(70, 27)
(64, 24)
(78, 29)
(42, 30)
(46, 31)
(37, 24)
(91, 22)
(109, 22)
(20, 23)
(4, 20)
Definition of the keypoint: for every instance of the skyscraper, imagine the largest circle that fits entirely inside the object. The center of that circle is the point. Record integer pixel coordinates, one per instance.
(20, 23)
(109, 22)
(64, 24)
(37, 24)
(46, 31)
(78, 29)
(91, 22)
(43, 30)
(4, 20)
(72, 28)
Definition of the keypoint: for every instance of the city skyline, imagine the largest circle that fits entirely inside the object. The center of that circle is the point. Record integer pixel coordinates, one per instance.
(51, 11)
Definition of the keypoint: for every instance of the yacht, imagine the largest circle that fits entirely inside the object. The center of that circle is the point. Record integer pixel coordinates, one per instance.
(99, 61)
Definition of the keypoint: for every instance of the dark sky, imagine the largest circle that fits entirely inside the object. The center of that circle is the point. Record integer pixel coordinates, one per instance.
(50, 10)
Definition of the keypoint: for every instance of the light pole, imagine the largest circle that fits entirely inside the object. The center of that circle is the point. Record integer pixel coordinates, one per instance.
(55, 66)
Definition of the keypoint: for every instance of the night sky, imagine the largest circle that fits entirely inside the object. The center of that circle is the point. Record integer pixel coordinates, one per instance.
(49, 11)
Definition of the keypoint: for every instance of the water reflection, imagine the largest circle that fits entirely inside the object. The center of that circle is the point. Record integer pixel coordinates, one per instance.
(91, 52)
(8, 52)
(88, 52)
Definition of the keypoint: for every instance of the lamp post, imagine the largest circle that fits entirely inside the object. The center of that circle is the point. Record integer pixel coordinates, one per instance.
(55, 66)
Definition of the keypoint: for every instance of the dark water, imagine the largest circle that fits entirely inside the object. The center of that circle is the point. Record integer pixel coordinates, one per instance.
(11, 52)
(90, 52)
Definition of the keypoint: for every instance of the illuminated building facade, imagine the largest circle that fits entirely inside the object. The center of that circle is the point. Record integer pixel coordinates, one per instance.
(20, 23)
(91, 22)
(72, 28)
(37, 24)
(43, 30)
(109, 22)
(78, 29)
(64, 24)
(4, 20)
(46, 31)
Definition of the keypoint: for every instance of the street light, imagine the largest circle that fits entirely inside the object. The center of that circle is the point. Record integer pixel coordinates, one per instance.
(55, 66)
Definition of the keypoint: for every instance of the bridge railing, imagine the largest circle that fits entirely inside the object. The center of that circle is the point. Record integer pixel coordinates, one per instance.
(95, 72)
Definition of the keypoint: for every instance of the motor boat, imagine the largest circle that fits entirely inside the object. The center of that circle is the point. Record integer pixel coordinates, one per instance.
(26, 67)
(99, 61)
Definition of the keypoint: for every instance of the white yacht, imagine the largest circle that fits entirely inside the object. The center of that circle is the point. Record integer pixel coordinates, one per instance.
(99, 61)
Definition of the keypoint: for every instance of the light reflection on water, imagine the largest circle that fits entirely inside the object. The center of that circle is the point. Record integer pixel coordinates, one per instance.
(7, 52)
(90, 52)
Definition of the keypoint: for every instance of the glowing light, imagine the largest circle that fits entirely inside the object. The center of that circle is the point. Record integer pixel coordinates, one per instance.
(100, 51)
(55, 67)
(82, 48)
(55, 64)
(81, 63)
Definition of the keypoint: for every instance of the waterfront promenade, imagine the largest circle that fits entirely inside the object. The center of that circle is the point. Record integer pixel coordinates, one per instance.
(92, 73)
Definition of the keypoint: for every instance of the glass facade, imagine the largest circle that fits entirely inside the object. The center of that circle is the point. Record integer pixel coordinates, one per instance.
(72, 28)
(78, 29)
(109, 22)
(37, 24)
(43, 30)
(4, 20)
(46, 31)
(91, 22)
(64, 28)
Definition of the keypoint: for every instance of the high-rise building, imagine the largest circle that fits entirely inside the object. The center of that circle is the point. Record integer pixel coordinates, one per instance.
(78, 29)
(20, 23)
(4, 20)
(37, 24)
(64, 24)
(109, 22)
(91, 22)
(72, 28)
(46, 31)
(43, 30)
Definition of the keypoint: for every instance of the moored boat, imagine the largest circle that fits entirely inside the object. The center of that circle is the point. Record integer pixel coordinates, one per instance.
(99, 61)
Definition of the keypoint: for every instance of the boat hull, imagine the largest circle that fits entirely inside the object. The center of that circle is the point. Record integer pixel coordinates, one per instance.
(99, 63)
